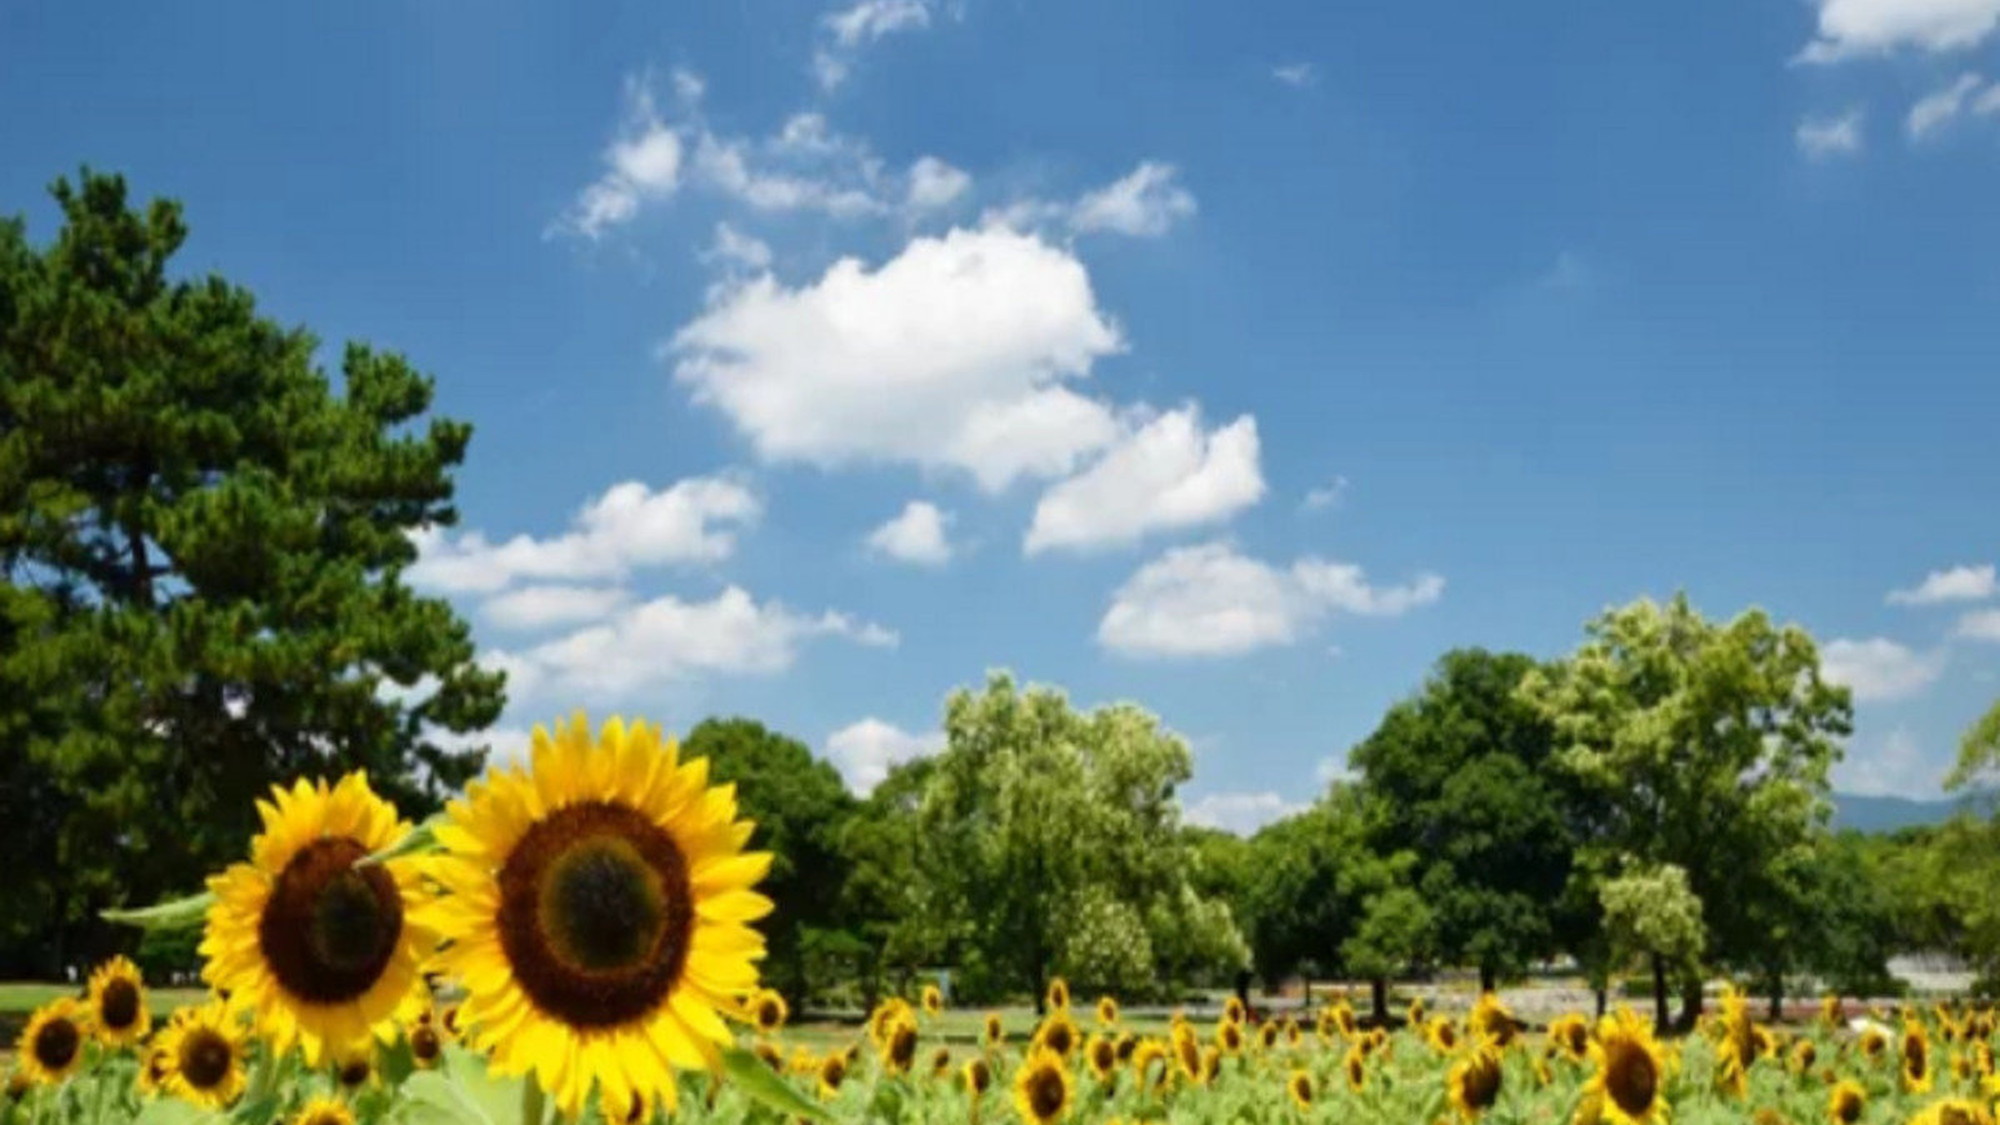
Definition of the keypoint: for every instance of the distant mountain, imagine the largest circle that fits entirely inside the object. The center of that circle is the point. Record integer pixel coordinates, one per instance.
(1886, 814)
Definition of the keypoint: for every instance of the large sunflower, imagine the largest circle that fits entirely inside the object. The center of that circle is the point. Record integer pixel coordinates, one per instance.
(899, 1047)
(1953, 1111)
(323, 951)
(1845, 1102)
(118, 1003)
(597, 910)
(1630, 1070)
(1473, 1084)
(51, 1046)
(1916, 1058)
(204, 1056)
(1042, 1088)
(1490, 1020)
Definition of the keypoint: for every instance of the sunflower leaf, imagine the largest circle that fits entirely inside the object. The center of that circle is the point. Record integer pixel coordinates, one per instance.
(429, 1098)
(172, 1111)
(422, 838)
(175, 914)
(762, 1083)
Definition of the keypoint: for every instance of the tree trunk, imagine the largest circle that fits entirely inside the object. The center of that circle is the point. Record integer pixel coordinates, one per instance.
(1381, 987)
(1486, 978)
(1690, 1001)
(1603, 999)
(1660, 1021)
(1777, 997)
(1041, 983)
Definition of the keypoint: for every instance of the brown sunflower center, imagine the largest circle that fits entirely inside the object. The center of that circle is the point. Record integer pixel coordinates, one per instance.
(1914, 1056)
(596, 914)
(424, 1045)
(1302, 1089)
(353, 1072)
(1631, 1079)
(330, 927)
(1955, 1113)
(1058, 1038)
(56, 1044)
(833, 1072)
(767, 1014)
(981, 1076)
(118, 1006)
(204, 1060)
(1482, 1082)
(1104, 1055)
(902, 1046)
(1045, 1093)
(1847, 1107)
(326, 1117)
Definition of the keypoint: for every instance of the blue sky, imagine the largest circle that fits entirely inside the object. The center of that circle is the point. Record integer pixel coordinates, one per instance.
(1237, 362)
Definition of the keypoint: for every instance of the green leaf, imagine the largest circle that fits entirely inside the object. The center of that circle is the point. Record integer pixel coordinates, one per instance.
(762, 1083)
(175, 914)
(422, 838)
(173, 1111)
(497, 1099)
(431, 1098)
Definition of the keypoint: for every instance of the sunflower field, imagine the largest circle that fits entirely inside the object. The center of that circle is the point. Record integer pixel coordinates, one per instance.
(577, 941)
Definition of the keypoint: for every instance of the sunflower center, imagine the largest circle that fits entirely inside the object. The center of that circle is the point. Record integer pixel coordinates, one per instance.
(119, 1006)
(596, 914)
(205, 1059)
(353, 1073)
(1482, 1083)
(330, 927)
(1045, 1093)
(56, 1044)
(424, 1044)
(1632, 1081)
(1913, 1056)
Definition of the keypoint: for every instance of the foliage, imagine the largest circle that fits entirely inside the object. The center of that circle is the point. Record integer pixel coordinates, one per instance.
(200, 557)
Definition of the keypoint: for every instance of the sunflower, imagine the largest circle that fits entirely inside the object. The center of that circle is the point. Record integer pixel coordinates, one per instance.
(323, 1111)
(899, 1048)
(1147, 1055)
(768, 1011)
(1042, 1088)
(1829, 1010)
(448, 1020)
(1953, 1111)
(1126, 1044)
(1443, 1034)
(118, 1003)
(886, 1016)
(1873, 1042)
(1229, 1036)
(770, 1055)
(1490, 1020)
(1292, 1031)
(1187, 1055)
(51, 1046)
(978, 1075)
(426, 1045)
(1107, 1011)
(1300, 1087)
(1058, 995)
(1211, 1064)
(1571, 1034)
(1630, 1070)
(1343, 1018)
(324, 951)
(932, 1000)
(354, 1067)
(940, 1062)
(1058, 1033)
(832, 1072)
(152, 1071)
(1473, 1084)
(597, 908)
(1355, 1066)
(1415, 1012)
(1267, 1035)
(1916, 1056)
(204, 1056)
(995, 1034)
(1102, 1055)
(1804, 1055)
(1845, 1102)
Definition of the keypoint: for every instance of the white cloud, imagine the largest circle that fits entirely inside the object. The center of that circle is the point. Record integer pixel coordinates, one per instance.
(1167, 474)
(1143, 204)
(1979, 625)
(1936, 110)
(1297, 75)
(1848, 28)
(1209, 601)
(864, 752)
(1896, 767)
(630, 526)
(1824, 137)
(1326, 496)
(917, 535)
(1334, 768)
(733, 247)
(1879, 669)
(1958, 584)
(853, 28)
(1240, 813)
(538, 607)
(935, 184)
(643, 163)
(504, 745)
(838, 179)
(954, 354)
(1988, 102)
(667, 640)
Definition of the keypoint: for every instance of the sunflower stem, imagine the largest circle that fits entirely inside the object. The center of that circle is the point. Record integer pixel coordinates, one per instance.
(531, 1101)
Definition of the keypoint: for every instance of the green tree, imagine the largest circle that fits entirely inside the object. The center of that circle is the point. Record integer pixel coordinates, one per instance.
(1394, 934)
(1039, 817)
(1699, 745)
(201, 545)
(1461, 775)
(889, 911)
(800, 807)
(1652, 913)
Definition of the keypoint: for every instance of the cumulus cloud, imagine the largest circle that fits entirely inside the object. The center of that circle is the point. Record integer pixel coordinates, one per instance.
(1142, 204)
(1240, 813)
(1297, 75)
(935, 184)
(539, 607)
(917, 535)
(1980, 625)
(1824, 137)
(1210, 601)
(733, 247)
(1896, 766)
(1328, 495)
(642, 163)
(1956, 584)
(503, 745)
(1936, 110)
(866, 751)
(1169, 473)
(668, 640)
(1848, 28)
(849, 30)
(630, 526)
(955, 354)
(1879, 670)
